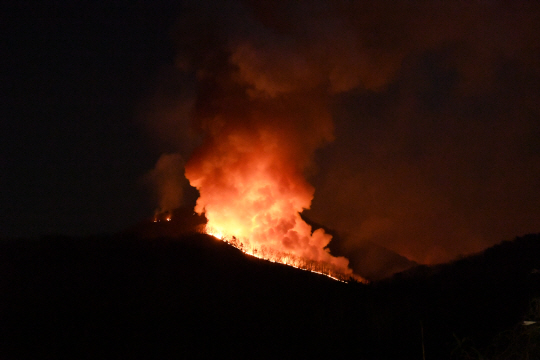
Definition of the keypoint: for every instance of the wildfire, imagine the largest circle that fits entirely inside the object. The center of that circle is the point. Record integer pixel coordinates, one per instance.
(213, 232)
(263, 253)
(260, 122)
(162, 217)
(252, 194)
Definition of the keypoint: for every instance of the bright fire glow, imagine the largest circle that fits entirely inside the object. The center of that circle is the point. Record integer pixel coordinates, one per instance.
(160, 218)
(252, 194)
(214, 233)
(287, 259)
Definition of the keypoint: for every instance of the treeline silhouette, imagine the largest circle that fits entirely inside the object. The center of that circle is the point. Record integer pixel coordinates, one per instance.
(124, 296)
(287, 258)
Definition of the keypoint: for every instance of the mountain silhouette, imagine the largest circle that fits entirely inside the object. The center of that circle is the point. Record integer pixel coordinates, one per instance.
(193, 296)
(367, 259)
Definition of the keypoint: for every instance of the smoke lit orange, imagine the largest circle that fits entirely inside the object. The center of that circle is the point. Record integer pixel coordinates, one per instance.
(252, 194)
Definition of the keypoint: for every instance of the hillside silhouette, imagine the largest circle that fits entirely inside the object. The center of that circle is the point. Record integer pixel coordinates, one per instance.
(372, 261)
(367, 259)
(192, 296)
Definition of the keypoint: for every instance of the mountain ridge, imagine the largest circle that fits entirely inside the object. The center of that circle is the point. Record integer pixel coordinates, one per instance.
(134, 297)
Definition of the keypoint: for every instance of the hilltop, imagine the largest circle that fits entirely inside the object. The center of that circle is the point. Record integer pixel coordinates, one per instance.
(123, 296)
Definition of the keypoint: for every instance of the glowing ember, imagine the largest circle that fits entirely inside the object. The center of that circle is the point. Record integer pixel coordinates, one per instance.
(162, 217)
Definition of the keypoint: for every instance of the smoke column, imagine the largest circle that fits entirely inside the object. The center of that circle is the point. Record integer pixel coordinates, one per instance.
(168, 179)
(434, 106)
(262, 108)
(249, 175)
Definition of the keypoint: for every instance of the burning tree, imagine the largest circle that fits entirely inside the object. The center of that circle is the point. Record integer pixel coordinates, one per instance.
(287, 258)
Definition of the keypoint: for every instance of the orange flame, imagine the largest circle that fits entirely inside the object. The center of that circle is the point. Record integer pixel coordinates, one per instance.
(162, 217)
(252, 196)
(264, 253)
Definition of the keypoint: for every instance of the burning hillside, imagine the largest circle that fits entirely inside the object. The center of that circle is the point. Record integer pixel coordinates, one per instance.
(276, 256)
(260, 112)
(252, 195)
(184, 221)
(427, 161)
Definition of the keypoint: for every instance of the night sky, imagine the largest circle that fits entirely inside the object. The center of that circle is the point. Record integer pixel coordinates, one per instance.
(74, 77)
(435, 109)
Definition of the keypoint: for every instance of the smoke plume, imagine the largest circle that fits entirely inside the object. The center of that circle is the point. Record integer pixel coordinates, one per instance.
(167, 177)
(433, 107)
(263, 109)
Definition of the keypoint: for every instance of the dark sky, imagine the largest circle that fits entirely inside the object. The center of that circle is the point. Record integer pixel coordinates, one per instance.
(435, 109)
(73, 76)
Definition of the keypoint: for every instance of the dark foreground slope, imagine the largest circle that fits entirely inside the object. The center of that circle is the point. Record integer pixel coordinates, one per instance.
(112, 297)
(474, 307)
(193, 296)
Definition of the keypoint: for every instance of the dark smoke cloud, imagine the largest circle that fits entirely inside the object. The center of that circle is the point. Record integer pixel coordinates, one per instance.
(433, 108)
(167, 178)
(443, 160)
